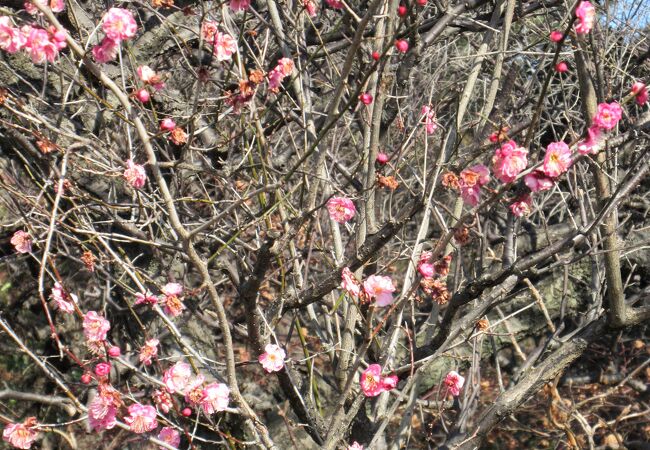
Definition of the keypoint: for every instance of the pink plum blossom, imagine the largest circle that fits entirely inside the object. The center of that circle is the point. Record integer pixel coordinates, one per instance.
(135, 174)
(55, 5)
(508, 161)
(146, 298)
(149, 351)
(311, 7)
(141, 418)
(95, 326)
(430, 122)
(223, 44)
(21, 435)
(470, 181)
(119, 24)
(40, 46)
(355, 446)
(557, 159)
(590, 145)
(12, 39)
(272, 359)
(171, 300)
(586, 14)
(335, 4)
(169, 436)
(349, 283)
(522, 206)
(194, 390)
(215, 398)
(373, 384)
(425, 266)
(147, 74)
(282, 70)
(454, 383)
(106, 51)
(640, 92)
(21, 241)
(101, 413)
(167, 124)
(538, 181)
(608, 115)
(63, 301)
(163, 400)
(380, 288)
(341, 209)
(176, 377)
(240, 5)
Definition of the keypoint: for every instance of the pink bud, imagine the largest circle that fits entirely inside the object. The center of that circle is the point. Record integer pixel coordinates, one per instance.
(556, 36)
(382, 158)
(85, 378)
(114, 351)
(366, 98)
(376, 56)
(421, 2)
(102, 369)
(143, 95)
(561, 67)
(187, 412)
(167, 124)
(637, 88)
(402, 10)
(402, 45)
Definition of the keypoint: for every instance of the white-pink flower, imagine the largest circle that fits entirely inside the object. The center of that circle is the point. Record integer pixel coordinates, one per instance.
(425, 266)
(141, 418)
(146, 298)
(215, 398)
(590, 145)
(272, 359)
(119, 24)
(21, 241)
(21, 435)
(40, 46)
(380, 288)
(95, 326)
(149, 351)
(608, 115)
(169, 436)
(12, 39)
(470, 181)
(102, 413)
(508, 161)
(282, 70)
(106, 51)
(55, 5)
(167, 124)
(557, 159)
(454, 382)
(223, 44)
(522, 206)
(341, 209)
(586, 14)
(538, 181)
(173, 289)
(135, 175)
(373, 383)
(355, 446)
(63, 301)
(177, 377)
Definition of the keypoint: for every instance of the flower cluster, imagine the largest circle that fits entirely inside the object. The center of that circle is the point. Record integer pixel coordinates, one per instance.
(149, 351)
(471, 181)
(55, 5)
(373, 383)
(282, 70)
(377, 287)
(211, 398)
(223, 44)
(118, 25)
(432, 276)
(40, 44)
